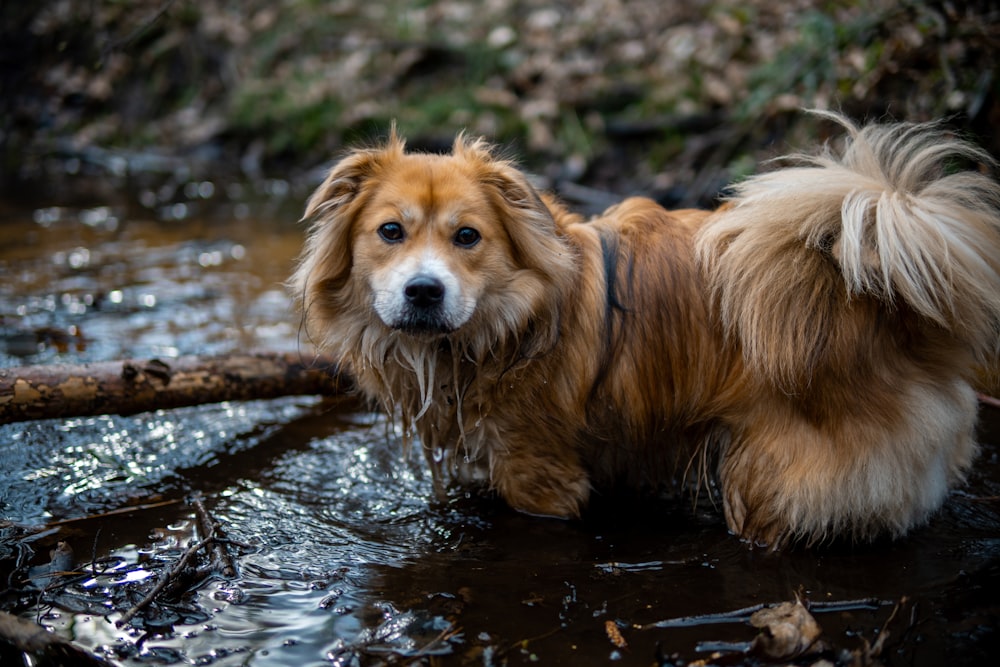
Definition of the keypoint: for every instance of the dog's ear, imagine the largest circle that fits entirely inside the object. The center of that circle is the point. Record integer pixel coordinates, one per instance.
(345, 180)
(541, 250)
(325, 263)
(533, 231)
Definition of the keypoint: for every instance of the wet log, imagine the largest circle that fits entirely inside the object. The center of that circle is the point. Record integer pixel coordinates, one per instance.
(142, 385)
(44, 647)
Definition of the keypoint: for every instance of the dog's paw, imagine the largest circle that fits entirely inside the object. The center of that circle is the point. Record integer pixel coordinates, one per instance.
(543, 487)
(759, 528)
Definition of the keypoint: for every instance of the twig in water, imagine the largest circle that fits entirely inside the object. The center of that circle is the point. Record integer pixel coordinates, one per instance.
(734, 616)
(743, 615)
(523, 643)
(445, 635)
(93, 553)
(165, 579)
(875, 650)
(120, 510)
(208, 526)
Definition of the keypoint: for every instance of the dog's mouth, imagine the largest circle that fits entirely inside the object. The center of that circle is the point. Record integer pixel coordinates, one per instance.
(424, 324)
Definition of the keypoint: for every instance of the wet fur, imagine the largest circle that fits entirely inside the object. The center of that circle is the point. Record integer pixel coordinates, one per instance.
(813, 341)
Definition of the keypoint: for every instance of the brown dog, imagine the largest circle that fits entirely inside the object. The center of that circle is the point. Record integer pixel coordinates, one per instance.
(812, 342)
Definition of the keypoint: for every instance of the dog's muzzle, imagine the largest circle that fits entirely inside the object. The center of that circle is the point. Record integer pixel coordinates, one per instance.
(424, 310)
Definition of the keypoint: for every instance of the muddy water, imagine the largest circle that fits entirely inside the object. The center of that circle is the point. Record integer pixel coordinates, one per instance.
(346, 558)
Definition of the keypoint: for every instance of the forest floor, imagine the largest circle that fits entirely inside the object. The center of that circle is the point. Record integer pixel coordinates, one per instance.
(675, 100)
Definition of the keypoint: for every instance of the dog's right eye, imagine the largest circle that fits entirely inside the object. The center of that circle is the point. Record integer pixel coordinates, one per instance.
(391, 232)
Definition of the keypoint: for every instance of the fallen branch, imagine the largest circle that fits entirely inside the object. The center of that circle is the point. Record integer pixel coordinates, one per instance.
(44, 646)
(133, 386)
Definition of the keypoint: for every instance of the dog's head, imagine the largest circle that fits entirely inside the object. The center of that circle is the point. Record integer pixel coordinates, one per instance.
(429, 245)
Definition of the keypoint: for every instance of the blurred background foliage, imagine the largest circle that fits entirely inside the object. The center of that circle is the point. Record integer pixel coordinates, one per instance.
(670, 98)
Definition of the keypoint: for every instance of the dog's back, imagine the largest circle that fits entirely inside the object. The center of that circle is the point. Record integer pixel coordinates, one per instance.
(663, 366)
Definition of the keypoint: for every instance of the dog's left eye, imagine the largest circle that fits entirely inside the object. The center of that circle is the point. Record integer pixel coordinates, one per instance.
(391, 232)
(467, 237)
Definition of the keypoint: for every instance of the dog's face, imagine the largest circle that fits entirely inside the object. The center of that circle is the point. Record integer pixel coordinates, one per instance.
(431, 245)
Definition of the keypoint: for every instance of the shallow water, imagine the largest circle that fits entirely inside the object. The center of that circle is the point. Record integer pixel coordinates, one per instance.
(347, 556)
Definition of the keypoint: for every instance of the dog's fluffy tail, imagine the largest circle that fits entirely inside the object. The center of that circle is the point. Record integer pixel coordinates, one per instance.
(898, 217)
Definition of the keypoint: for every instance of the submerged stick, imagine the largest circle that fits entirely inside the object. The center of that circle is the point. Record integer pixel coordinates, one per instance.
(743, 615)
(209, 526)
(121, 510)
(165, 579)
(142, 385)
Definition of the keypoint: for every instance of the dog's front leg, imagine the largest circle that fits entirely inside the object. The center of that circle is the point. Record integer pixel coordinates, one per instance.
(542, 484)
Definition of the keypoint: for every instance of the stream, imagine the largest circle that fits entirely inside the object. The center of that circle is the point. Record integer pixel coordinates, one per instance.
(345, 556)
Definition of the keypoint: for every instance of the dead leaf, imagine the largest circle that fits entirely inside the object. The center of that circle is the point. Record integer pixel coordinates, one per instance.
(787, 630)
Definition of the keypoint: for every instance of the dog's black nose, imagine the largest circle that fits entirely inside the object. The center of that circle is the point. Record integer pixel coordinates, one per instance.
(424, 291)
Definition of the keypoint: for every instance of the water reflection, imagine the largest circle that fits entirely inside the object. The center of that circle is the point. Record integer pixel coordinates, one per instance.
(95, 284)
